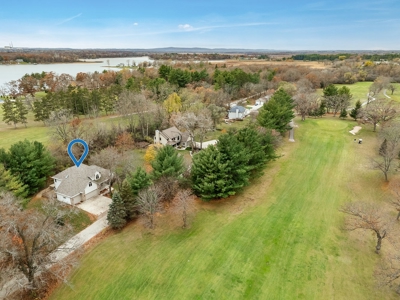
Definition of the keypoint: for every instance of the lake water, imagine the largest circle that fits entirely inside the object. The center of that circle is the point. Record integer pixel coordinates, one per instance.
(15, 72)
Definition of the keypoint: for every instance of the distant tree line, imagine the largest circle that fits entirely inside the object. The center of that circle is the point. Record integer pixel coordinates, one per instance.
(317, 57)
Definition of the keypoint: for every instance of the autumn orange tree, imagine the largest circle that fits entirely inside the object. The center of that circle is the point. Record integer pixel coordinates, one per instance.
(124, 141)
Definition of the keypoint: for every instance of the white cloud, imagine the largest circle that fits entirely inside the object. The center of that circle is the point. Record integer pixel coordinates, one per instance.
(135, 24)
(186, 27)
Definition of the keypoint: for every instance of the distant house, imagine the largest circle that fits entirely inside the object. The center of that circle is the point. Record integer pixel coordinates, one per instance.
(237, 112)
(172, 136)
(262, 101)
(75, 185)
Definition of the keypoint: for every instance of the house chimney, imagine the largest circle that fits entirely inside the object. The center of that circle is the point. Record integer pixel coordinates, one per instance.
(157, 141)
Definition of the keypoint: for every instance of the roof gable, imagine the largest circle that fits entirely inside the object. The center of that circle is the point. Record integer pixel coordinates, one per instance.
(171, 132)
(240, 108)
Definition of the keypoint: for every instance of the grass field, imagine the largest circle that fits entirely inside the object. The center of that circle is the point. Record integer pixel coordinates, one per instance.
(279, 239)
(359, 91)
(35, 131)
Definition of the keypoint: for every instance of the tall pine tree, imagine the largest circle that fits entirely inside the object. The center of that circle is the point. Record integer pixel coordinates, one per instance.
(277, 112)
(255, 147)
(12, 183)
(210, 175)
(343, 114)
(354, 113)
(139, 180)
(220, 171)
(10, 114)
(22, 111)
(30, 162)
(167, 163)
(117, 213)
(129, 199)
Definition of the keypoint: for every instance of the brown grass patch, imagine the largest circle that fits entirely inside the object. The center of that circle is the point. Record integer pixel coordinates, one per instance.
(296, 63)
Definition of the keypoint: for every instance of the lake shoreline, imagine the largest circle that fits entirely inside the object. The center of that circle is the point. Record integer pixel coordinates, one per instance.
(17, 71)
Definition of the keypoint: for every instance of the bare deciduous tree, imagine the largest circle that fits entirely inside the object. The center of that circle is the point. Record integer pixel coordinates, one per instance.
(305, 103)
(204, 125)
(388, 272)
(367, 216)
(388, 150)
(148, 203)
(395, 202)
(119, 163)
(379, 83)
(379, 111)
(195, 123)
(166, 186)
(59, 121)
(185, 201)
(27, 239)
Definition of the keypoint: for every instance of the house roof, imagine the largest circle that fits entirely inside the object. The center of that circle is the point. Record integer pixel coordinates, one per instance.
(171, 132)
(240, 108)
(74, 179)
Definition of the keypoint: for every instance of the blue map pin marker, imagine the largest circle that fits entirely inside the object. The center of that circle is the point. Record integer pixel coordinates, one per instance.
(85, 153)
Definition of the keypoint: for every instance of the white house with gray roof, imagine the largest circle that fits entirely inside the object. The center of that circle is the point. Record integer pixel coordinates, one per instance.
(237, 112)
(172, 136)
(75, 185)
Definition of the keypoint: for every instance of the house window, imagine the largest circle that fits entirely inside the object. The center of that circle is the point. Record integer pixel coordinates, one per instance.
(90, 184)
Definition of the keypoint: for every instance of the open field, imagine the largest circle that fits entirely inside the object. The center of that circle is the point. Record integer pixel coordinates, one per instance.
(279, 239)
(359, 91)
(35, 131)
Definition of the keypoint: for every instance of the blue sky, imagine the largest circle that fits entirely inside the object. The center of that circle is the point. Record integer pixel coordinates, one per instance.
(281, 25)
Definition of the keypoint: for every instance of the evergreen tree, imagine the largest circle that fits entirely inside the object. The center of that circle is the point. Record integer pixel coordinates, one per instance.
(12, 183)
(128, 198)
(321, 109)
(277, 112)
(116, 214)
(343, 114)
(356, 110)
(30, 162)
(235, 155)
(220, 171)
(167, 163)
(10, 114)
(251, 140)
(21, 111)
(210, 175)
(139, 180)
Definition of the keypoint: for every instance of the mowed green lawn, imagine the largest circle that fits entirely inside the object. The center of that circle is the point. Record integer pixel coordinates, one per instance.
(359, 91)
(35, 131)
(279, 239)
